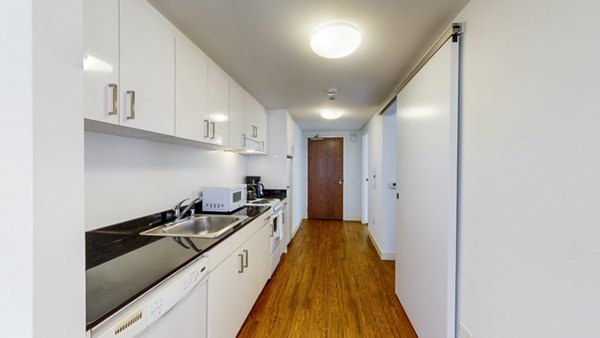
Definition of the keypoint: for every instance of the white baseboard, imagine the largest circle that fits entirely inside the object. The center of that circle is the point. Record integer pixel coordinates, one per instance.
(384, 255)
(296, 228)
(353, 218)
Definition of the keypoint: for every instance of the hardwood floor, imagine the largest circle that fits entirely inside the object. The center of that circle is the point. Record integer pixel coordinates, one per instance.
(331, 283)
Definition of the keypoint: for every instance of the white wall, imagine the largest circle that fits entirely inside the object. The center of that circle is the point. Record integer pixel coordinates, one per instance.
(299, 193)
(381, 200)
(352, 170)
(41, 135)
(59, 256)
(529, 234)
(16, 171)
(127, 178)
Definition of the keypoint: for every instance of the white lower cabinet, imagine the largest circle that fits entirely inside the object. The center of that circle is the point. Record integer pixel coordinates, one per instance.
(236, 283)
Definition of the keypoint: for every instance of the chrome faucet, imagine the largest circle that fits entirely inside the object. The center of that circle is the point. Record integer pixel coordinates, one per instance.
(180, 213)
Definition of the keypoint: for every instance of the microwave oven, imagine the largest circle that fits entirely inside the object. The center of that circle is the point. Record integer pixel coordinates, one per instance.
(224, 198)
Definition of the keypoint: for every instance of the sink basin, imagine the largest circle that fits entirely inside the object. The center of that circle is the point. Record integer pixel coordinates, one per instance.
(201, 226)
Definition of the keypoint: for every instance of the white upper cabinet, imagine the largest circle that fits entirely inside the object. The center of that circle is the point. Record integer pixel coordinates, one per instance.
(191, 94)
(236, 116)
(101, 60)
(129, 65)
(290, 135)
(141, 72)
(218, 106)
(255, 118)
(147, 49)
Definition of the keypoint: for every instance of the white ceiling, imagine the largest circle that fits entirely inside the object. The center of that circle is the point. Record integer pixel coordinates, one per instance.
(264, 45)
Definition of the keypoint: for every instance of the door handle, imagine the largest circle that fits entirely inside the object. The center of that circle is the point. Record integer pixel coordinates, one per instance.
(241, 269)
(115, 95)
(206, 128)
(131, 115)
(246, 253)
(340, 181)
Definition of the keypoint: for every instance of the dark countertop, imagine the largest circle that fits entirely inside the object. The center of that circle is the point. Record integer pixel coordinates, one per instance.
(275, 193)
(121, 265)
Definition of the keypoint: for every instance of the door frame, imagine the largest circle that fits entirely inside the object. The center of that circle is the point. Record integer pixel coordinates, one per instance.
(365, 178)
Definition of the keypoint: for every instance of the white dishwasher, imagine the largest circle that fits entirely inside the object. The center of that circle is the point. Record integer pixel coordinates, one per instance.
(175, 308)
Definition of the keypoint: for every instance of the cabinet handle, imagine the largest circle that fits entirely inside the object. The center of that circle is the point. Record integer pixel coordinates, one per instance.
(115, 95)
(241, 270)
(131, 115)
(254, 131)
(213, 130)
(256, 135)
(262, 145)
(246, 253)
(206, 128)
(243, 140)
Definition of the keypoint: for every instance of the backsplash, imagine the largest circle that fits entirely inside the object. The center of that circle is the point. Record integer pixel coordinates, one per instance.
(127, 178)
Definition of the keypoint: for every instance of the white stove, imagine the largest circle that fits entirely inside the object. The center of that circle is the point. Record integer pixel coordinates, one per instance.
(276, 225)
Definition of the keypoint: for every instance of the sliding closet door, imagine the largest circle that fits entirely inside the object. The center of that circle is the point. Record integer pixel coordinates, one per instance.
(427, 137)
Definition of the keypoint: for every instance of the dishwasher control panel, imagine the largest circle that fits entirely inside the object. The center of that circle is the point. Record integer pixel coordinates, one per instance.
(144, 311)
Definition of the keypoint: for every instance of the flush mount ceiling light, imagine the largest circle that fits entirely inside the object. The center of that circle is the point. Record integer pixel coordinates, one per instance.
(335, 40)
(331, 114)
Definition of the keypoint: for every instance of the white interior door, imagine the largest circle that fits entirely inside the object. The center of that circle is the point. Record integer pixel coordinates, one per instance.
(365, 178)
(427, 138)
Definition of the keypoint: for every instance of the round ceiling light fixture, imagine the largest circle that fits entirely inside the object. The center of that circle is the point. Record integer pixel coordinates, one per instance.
(331, 114)
(335, 40)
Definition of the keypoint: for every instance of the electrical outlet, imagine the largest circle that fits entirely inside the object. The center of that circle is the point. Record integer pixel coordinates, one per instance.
(464, 332)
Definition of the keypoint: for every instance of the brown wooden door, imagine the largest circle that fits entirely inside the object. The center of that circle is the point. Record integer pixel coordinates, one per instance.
(325, 178)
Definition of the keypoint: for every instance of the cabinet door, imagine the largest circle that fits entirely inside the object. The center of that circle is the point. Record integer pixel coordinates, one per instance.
(251, 108)
(225, 315)
(147, 48)
(261, 126)
(255, 275)
(255, 121)
(191, 120)
(263, 257)
(101, 60)
(236, 116)
(218, 106)
(290, 135)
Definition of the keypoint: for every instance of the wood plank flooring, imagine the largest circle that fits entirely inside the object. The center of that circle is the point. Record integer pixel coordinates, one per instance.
(331, 283)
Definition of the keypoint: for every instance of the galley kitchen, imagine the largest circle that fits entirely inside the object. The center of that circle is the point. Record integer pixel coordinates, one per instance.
(300, 168)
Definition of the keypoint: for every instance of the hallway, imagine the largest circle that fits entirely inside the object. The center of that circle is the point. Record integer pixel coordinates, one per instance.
(331, 283)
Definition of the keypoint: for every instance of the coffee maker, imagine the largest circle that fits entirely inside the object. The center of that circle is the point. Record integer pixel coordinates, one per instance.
(255, 188)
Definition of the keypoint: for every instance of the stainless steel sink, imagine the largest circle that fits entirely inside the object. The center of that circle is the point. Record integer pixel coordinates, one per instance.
(201, 226)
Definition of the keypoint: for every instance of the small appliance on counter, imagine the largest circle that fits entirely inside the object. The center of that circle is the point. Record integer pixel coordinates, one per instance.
(255, 188)
(224, 198)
